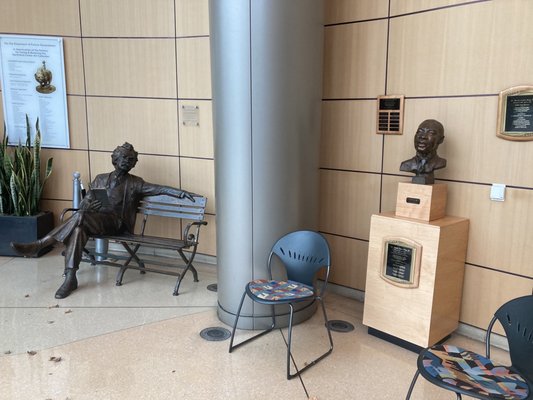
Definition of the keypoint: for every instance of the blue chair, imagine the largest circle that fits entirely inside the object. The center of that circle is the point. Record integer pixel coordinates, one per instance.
(303, 254)
(471, 374)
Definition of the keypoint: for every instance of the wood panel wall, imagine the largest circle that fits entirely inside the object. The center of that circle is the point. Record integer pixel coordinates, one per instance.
(450, 59)
(132, 64)
(130, 67)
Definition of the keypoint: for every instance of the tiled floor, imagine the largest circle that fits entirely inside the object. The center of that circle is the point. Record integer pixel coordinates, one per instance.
(138, 341)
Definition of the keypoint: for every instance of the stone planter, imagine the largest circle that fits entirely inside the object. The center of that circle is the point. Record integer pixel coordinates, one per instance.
(24, 229)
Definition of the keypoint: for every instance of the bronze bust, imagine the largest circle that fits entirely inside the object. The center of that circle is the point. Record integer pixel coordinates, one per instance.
(428, 137)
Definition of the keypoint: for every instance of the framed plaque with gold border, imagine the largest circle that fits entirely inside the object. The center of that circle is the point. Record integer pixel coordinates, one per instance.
(401, 262)
(515, 113)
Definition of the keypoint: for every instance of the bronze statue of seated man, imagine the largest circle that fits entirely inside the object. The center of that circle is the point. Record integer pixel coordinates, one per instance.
(124, 192)
(428, 137)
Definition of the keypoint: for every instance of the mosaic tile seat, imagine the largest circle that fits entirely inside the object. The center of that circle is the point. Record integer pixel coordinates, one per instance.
(473, 373)
(465, 372)
(271, 290)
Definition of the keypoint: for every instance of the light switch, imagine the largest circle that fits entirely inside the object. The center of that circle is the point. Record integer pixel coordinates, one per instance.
(497, 192)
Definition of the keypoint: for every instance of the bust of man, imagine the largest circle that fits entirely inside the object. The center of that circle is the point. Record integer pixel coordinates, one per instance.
(428, 136)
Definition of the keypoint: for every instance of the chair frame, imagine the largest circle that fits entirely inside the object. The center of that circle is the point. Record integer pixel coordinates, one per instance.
(317, 295)
(520, 362)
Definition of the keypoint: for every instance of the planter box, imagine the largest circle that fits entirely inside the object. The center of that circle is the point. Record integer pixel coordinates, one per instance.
(24, 230)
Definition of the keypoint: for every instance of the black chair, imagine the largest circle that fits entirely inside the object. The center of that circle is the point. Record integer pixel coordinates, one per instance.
(471, 374)
(303, 254)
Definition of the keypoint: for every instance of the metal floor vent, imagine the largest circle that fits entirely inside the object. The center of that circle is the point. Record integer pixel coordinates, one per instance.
(340, 326)
(215, 334)
(213, 287)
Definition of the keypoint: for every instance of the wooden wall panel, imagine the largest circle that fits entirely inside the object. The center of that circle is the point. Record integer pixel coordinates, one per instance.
(66, 162)
(398, 7)
(197, 141)
(498, 230)
(192, 17)
(149, 124)
(130, 67)
(348, 261)
(348, 138)
(127, 18)
(74, 76)
(484, 291)
(59, 17)
(473, 151)
(121, 79)
(338, 11)
(194, 68)
(77, 122)
(354, 60)
(471, 55)
(198, 176)
(347, 201)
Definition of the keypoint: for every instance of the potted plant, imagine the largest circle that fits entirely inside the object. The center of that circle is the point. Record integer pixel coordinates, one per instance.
(21, 186)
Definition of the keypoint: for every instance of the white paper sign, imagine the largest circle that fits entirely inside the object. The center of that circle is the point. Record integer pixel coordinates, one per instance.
(32, 73)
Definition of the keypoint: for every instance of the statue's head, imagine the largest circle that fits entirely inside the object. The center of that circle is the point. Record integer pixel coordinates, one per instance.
(124, 157)
(429, 135)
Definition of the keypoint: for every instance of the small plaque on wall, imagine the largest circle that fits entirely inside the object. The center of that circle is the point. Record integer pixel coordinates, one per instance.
(515, 113)
(401, 262)
(390, 115)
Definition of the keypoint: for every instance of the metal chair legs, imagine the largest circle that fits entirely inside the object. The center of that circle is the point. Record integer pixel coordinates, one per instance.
(311, 363)
(289, 344)
(412, 385)
(233, 347)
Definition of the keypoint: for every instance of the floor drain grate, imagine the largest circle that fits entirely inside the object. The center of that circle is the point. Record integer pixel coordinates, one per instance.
(340, 326)
(213, 287)
(215, 334)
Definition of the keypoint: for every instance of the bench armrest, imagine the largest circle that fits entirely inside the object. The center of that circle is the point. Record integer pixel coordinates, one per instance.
(66, 210)
(192, 238)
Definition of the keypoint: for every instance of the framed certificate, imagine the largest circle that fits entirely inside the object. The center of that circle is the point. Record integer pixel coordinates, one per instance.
(515, 113)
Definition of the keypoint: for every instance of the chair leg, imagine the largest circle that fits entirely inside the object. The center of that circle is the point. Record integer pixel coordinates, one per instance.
(412, 385)
(310, 364)
(233, 347)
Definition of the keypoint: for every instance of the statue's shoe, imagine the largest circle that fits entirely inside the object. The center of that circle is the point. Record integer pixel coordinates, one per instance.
(28, 249)
(69, 285)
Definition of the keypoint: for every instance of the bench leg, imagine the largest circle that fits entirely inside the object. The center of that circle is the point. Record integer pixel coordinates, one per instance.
(188, 262)
(133, 256)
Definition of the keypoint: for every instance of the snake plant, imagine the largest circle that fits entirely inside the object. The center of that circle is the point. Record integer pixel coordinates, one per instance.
(21, 184)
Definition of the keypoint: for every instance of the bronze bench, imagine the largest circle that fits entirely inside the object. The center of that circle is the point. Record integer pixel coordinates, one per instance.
(183, 210)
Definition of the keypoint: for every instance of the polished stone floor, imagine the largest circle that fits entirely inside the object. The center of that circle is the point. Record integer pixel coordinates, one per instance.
(137, 341)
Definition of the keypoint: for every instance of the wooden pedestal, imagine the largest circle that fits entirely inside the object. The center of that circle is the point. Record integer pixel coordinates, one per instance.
(428, 311)
(424, 202)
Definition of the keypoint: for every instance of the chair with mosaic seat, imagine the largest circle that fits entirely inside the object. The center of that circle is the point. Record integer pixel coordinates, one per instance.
(302, 254)
(467, 373)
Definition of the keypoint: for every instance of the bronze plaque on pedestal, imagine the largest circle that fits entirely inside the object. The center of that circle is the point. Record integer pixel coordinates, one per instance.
(401, 262)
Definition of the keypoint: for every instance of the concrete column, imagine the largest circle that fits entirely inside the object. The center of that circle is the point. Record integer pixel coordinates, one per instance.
(266, 61)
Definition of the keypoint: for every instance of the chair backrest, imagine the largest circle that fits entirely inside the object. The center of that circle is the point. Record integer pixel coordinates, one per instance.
(303, 254)
(516, 317)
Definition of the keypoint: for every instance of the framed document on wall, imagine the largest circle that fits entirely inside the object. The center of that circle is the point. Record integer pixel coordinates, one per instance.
(401, 262)
(515, 113)
(32, 72)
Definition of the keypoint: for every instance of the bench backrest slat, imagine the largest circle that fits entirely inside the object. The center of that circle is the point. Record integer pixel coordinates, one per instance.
(168, 206)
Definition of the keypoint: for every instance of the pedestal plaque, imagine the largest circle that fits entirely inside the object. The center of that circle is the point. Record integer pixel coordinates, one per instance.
(401, 262)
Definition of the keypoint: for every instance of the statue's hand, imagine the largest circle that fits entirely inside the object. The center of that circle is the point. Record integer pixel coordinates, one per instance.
(94, 205)
(187, 195)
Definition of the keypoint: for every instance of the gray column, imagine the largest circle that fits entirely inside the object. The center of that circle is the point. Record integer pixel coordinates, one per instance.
(266, 66)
